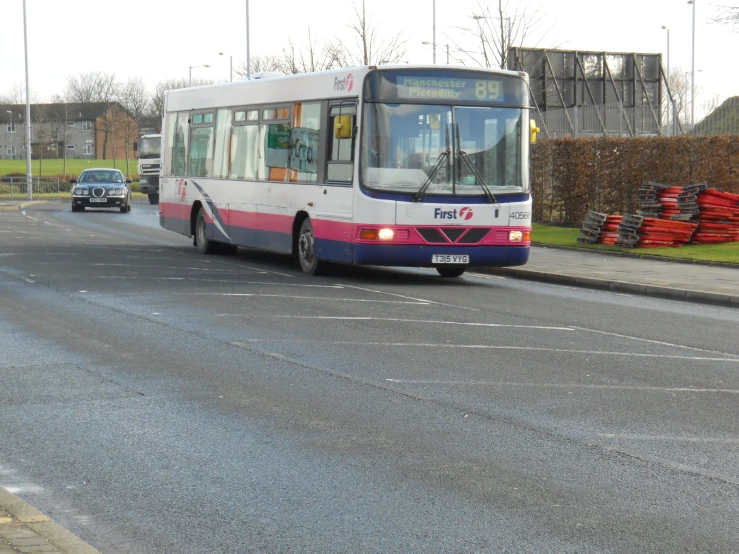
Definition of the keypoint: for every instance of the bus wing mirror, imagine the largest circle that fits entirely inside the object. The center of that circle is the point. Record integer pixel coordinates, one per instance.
(343, 127)
(533, 131)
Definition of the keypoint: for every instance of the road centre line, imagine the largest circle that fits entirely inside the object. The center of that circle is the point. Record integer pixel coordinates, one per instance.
(400, 320)
(493, 347)
(608, 333)
(719, 440)
(411, 298)
(261, 283)
(328, 298)
(560, 386)
(253, 268)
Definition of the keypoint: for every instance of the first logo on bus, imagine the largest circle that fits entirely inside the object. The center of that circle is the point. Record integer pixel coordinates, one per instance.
(347, 83)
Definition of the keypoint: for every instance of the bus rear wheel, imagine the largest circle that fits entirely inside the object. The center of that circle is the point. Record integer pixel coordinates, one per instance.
(307, 250)
(451, 271)
(202, 243)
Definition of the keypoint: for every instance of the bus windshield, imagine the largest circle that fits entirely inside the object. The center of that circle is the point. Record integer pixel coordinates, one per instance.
(463, 149)
(150, 147)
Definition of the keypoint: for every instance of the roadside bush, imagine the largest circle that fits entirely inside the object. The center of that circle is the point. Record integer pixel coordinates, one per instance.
(571, 176)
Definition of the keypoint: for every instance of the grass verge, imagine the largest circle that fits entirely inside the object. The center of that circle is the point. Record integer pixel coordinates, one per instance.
(562, 236)
(54, 167)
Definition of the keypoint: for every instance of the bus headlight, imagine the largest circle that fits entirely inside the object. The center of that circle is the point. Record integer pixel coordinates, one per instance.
(515, 236)
(386, 234)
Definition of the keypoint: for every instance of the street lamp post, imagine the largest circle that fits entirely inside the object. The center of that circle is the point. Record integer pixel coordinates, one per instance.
(447, 51)
(230, 64)
(668, 72)
(692, 71)
(194, 66)
(29, 175)
(12, 130)
(434, 34)
(248, 58)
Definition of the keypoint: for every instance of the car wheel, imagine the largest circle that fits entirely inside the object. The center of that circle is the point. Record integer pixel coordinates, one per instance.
(307, 251)
(124, 209)
(153, 199)
(450, 271)
(74, 208)
(202, 243)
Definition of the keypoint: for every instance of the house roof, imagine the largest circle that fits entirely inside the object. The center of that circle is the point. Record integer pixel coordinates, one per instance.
(88, 111)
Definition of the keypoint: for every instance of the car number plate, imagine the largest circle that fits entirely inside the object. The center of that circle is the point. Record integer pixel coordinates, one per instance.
(98, 199)
(450, 259)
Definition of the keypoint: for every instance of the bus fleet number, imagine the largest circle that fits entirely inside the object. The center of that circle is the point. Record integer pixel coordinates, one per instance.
(487, 90)
(520, 215)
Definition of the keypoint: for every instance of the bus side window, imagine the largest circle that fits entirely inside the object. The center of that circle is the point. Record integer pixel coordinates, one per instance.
(340, 158)
(179, 148)
(200, 157)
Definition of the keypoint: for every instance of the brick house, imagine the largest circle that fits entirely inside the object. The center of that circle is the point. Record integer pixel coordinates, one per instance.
(95, 130)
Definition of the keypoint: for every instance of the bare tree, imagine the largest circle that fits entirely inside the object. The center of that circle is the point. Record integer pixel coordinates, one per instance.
(95, 86)
(129, 130)
(497, 28)
(727, 15)
(369, 47)
(310, 58)
(260, 64)
(681, 93)
(134, 97)
(41, 113)
(16, 94)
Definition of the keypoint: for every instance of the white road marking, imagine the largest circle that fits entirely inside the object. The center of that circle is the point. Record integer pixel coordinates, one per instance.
(82, 291)
(651, 341)
(493, 347)
(261, 270)
(410, 298)
(559, 386)
(364, 318)
(718, 440)
(327, 298)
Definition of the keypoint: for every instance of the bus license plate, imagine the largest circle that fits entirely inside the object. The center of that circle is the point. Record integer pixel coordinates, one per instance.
(98, 199)
(450, 259)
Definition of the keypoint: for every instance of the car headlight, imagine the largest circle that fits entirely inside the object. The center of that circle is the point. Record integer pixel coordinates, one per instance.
(77, 191)
(118, 192)
(85, 191)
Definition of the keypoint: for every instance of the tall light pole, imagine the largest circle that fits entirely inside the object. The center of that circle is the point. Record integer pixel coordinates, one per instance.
(692, 71)
(29, 175)
(434, 35)
(248, 58)
(191, 68)
(447, 51)
(12, 131)
(668, 72)
(230, 64)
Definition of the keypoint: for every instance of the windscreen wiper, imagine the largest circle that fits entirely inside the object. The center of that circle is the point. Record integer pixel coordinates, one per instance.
(464, 157)
(445, 156)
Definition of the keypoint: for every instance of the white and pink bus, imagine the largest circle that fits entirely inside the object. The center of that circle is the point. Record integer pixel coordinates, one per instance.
(392, 166)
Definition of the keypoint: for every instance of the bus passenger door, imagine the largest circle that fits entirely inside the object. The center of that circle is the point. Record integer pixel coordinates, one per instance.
(333, 226)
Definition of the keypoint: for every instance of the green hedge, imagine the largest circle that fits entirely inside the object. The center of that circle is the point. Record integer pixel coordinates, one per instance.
(571, 176)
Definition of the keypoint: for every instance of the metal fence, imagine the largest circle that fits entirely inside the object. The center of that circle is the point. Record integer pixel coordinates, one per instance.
(16, 188)
(615, 120)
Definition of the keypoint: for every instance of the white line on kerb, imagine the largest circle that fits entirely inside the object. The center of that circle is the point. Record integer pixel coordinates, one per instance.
(559, 386)
(400, 320)
(493, 347)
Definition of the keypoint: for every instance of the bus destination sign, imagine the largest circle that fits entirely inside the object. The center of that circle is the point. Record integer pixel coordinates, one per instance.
(449, 89)
(444, 85)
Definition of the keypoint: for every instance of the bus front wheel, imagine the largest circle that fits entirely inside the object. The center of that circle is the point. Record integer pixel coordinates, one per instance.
(450, 271)
(307, 251)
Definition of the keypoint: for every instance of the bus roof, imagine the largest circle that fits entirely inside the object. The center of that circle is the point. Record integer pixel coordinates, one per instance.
(325, 85)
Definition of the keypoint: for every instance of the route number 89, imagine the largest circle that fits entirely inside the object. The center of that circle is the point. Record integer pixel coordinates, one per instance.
(487, 90)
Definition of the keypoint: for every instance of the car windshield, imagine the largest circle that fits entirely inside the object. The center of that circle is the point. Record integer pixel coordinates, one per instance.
(150, 147)
(461, 148)
(101, 177)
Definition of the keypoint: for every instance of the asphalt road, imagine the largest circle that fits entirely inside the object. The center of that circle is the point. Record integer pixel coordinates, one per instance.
(156, 400)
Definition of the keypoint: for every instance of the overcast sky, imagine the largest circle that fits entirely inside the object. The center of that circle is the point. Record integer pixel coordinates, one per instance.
(159, 39)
